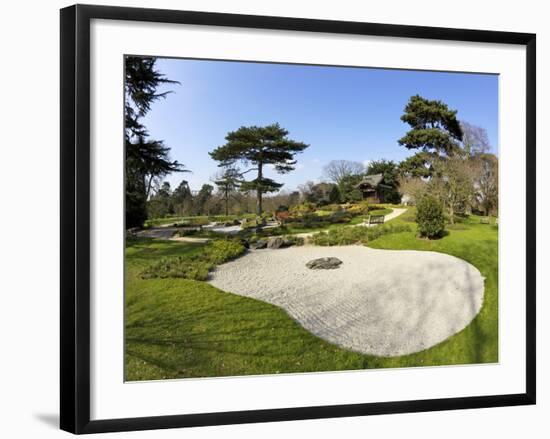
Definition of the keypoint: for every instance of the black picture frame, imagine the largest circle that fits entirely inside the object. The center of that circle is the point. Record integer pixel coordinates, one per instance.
(75, 217)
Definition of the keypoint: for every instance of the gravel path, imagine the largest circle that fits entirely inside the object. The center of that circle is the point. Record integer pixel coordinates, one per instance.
(396, 211)
(380, 302)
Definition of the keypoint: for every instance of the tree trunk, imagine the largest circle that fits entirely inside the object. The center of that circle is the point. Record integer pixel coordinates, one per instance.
(451, 213)
(226, 203)
(259, 191)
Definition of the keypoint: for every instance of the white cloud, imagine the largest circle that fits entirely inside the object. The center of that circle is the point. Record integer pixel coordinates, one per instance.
(366, 163)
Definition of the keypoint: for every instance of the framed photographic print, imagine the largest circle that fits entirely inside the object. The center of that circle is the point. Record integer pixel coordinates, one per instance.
(268, 218)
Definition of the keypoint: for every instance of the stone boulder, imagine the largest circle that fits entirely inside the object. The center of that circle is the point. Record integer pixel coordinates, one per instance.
(275, 242)
(261, 243)
(278, 242)
(324, 263)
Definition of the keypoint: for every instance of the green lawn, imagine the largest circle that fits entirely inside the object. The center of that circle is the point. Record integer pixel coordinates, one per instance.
(182, 328)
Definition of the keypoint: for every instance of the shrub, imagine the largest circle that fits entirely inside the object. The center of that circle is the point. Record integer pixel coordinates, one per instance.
(253, 222)
(333, 207)
(303, 208)
(429, 217)
(340, 217)
(282, 216)
(354, 235)
(295, 240)
(198, 266)
(223, 250)
(311, 220)
(359, 209)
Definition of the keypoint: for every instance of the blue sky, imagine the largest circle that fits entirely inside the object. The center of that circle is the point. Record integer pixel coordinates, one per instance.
(343, 113)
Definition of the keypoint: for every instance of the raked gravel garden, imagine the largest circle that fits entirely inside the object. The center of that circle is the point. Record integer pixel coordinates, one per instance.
(391, 299)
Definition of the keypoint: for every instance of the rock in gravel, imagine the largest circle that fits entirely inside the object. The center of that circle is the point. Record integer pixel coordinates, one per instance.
(276, 242)
(261, 243)
(324, 263)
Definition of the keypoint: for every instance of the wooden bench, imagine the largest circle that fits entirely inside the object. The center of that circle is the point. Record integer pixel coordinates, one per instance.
(375, 219)
(485, 220)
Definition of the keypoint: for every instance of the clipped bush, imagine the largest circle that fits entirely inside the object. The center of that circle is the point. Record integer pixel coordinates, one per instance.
(430, 217)
(340, 217)
(311, 220)
(355, 235)
(294, 240)
(223, 250)
(197, 266)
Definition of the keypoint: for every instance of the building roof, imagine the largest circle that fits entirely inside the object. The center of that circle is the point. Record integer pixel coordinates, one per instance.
(371, 180)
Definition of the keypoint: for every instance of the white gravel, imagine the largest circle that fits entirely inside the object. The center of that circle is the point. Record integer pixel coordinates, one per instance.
(380, 302)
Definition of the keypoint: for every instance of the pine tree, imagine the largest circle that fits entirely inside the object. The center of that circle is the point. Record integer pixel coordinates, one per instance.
(227, 182)
(435, 130)
(259, 147)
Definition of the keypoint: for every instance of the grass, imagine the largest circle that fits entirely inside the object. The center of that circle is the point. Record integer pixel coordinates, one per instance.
(478, 244)
(179, 328)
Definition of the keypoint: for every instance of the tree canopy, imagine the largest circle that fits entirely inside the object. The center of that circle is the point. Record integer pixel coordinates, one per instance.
(434, 127)
(146, 159)
(337, 170)
(417, 165)
(475, 139)
(257, 147)
(349, 192)
(203, 198)
(228, 181)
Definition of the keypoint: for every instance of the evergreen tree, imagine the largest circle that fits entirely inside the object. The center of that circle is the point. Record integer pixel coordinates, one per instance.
(182, 198)
(161, 203)
(259, 146)
(416, 166)
(146, 159)
(435, 130)
(203, 197)
(348, 188)
(227, 182)
(334, 195)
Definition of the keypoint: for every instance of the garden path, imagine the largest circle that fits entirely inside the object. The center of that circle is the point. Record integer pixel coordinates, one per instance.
(168, 231)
